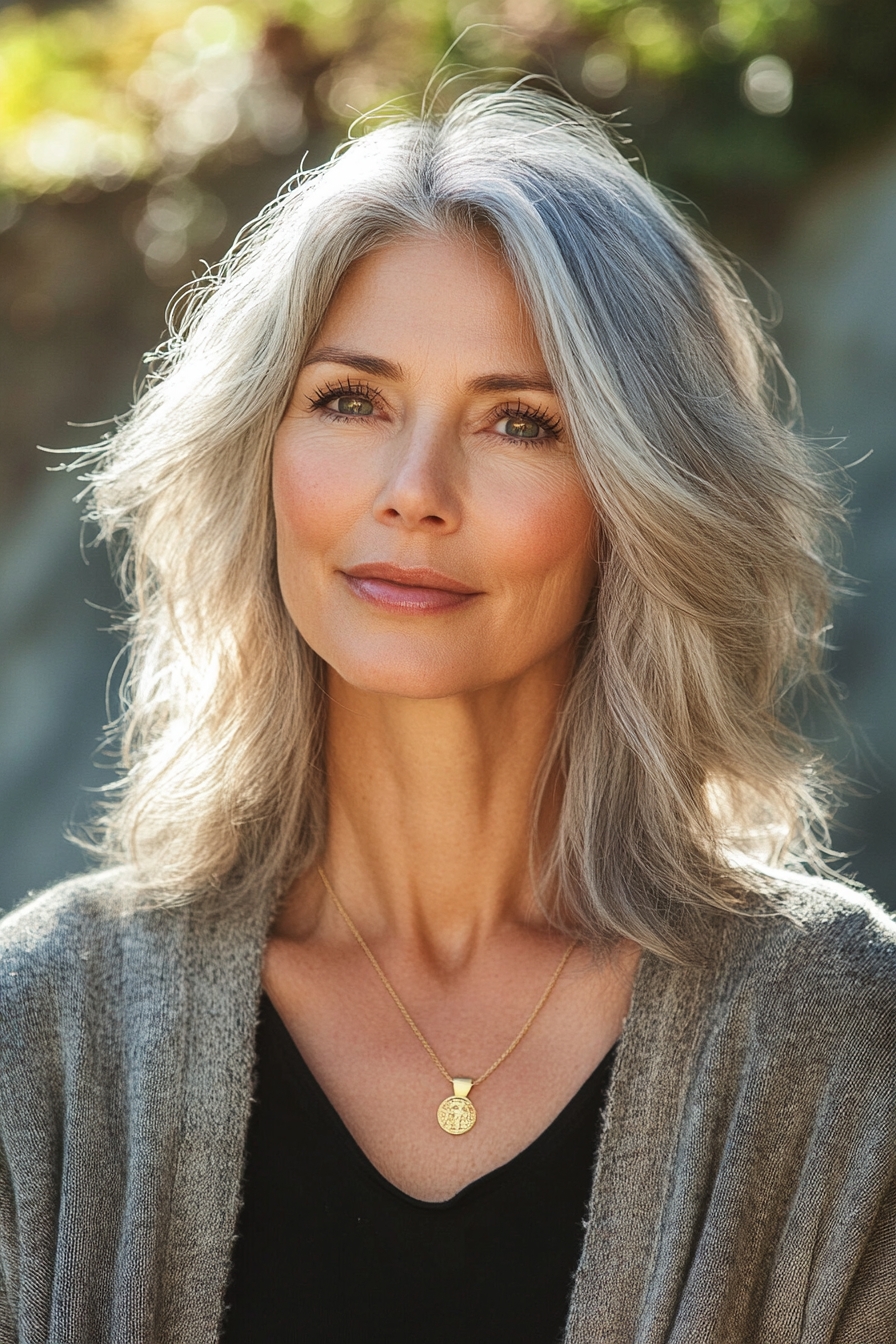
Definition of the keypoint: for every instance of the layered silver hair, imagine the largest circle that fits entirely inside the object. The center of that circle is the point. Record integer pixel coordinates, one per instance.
(680, 769)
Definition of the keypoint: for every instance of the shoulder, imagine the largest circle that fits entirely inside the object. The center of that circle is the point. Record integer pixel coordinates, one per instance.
(107, 944)
(91, 905)
(820, 963)
(826, 927)
(85, 898)
(75, 931)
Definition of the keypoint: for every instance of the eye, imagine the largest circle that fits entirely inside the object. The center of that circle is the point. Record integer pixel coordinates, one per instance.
(351, 405)
(344, 401)
(520, 427)
(525, 423)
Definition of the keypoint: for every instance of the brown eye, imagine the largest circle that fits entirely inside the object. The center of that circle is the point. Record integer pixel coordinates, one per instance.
(352, 405)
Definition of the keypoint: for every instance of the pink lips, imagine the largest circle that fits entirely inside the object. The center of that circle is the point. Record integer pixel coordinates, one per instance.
(409, 590)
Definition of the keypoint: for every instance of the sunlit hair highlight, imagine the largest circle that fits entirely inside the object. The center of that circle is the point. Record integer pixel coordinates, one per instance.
(681, 772)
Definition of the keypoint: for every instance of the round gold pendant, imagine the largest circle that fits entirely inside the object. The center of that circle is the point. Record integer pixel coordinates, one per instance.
(457, 1115)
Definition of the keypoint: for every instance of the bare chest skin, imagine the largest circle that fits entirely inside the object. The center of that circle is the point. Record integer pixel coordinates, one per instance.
(386, 1088)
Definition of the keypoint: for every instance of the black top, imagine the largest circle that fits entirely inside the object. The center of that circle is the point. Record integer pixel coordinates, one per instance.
(330, 1252)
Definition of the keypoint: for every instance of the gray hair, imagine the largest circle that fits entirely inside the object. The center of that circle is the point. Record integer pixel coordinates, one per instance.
(681, 773)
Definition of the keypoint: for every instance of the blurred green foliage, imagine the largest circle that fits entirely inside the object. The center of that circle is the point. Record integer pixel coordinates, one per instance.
(733, 102)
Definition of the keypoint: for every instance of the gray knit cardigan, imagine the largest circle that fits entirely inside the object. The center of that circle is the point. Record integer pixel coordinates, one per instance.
(745, 1190)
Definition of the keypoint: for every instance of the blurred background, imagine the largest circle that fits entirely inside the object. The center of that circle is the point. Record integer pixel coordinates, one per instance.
(138, 136)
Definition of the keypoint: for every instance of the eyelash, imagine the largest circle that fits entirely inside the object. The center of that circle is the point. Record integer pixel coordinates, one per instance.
(349, 388)
(551, 424)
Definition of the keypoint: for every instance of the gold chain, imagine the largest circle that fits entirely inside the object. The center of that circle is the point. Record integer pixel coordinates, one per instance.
(406, 1015)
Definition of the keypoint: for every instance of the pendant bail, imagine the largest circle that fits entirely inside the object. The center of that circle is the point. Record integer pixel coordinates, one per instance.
(462, 1086)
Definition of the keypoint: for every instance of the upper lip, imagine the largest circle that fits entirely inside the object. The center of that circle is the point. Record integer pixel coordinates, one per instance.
(416, 577)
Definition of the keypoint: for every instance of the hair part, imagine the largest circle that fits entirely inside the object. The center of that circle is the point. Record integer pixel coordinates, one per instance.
(680, 769)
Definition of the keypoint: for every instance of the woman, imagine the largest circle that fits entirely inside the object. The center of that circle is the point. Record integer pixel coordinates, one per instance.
(470, 573)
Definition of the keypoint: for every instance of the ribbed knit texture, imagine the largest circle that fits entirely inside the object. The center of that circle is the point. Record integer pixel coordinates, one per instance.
(745, 1191)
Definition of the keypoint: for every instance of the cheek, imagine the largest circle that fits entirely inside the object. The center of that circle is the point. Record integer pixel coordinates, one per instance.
(311, 514)
(314, 503)
(547, 535)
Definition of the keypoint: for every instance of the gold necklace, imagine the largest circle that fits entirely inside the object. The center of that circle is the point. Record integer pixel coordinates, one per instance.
(456, 1114)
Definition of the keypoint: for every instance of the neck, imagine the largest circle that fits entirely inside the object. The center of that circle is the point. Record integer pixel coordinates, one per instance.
(431, 809)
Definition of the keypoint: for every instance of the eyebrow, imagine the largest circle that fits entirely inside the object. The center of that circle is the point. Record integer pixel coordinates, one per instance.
(512, 382)
(384, 368)
(354, 359)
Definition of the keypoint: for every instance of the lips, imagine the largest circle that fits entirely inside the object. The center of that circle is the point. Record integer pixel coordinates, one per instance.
(410, 590)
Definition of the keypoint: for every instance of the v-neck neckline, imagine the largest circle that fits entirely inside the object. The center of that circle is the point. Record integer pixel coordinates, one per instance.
(302, 1078)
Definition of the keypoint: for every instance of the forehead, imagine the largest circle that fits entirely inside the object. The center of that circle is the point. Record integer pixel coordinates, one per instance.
(428, 298)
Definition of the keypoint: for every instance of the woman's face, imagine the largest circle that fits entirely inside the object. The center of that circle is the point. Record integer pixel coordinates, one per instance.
(433, 534)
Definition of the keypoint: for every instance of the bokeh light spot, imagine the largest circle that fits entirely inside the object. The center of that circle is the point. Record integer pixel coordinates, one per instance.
(768, 86)
(604, 72)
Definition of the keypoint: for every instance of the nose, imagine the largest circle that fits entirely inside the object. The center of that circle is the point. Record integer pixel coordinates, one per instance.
(422, 485)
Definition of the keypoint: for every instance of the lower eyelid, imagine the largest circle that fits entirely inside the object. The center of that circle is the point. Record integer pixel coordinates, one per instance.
(344, 419)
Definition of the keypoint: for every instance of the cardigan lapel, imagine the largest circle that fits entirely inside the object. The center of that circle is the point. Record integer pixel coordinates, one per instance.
(223, 954)
(618, 1297)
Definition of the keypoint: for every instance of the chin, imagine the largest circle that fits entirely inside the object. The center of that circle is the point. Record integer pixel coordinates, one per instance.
(420, 678)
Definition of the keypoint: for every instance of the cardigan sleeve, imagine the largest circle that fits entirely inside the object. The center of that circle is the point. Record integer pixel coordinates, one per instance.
(8, 1331)
(869, 1312)
(38, 958)
(127, 1035)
